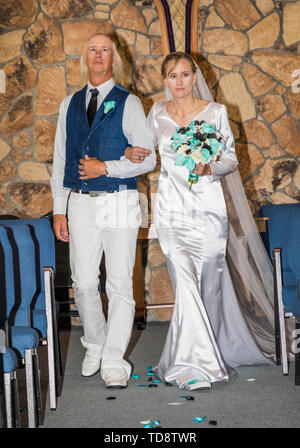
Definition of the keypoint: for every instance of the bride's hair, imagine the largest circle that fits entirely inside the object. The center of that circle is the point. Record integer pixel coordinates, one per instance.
(176, 57)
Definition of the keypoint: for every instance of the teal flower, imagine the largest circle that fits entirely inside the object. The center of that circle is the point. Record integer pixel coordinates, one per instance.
(180, 159)
(189, 163)
(207, 128)
(205, 154)
(108, 106)
(214, 145)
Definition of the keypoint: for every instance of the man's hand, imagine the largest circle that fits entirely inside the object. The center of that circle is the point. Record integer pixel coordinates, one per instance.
(202, 170)
(60, 228)
(137, 154)
(91, 167)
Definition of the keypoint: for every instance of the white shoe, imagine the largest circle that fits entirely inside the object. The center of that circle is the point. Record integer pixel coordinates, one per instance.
(91, 363)
(116, 382)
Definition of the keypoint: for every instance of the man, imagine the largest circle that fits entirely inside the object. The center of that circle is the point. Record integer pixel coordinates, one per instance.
(90, 174)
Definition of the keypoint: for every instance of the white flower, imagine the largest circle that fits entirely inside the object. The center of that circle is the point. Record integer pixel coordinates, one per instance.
(183, 149)
(196, 155)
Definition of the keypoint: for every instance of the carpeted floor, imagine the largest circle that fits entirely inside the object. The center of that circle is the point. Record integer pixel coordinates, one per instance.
(269, 400)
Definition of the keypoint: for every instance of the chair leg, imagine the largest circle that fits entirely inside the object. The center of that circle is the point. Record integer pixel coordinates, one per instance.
(16, 402)
(8, 400)
(30, 388)
(56, 342)
(279, 313)
(297, 354)
(37, 388)
(50, 338)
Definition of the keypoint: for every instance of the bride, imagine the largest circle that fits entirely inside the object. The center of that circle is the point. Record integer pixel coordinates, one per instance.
(221, 275)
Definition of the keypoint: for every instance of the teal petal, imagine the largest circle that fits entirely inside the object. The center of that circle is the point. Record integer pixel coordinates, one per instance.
(180, 160)
(207, 128)
(215, 145)
(189, 163)
(205, 154)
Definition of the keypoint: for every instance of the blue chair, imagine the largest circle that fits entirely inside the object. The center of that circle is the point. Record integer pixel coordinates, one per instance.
(43, 307)
(9, 365)
(8, 361)
(23, 339)
(284, 249)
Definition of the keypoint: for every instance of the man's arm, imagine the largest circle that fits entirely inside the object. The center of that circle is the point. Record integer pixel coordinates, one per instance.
(59, 192)
(138, 135)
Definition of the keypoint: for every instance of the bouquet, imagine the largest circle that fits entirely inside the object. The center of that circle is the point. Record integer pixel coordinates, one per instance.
(199, 142)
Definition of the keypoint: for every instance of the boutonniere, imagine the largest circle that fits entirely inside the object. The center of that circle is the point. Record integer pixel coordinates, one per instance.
(108, 106)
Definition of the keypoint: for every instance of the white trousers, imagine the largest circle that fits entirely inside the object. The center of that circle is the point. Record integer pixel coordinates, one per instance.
(106, 223)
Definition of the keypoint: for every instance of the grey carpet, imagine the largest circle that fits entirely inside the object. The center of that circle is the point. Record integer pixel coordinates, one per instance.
(271, 401)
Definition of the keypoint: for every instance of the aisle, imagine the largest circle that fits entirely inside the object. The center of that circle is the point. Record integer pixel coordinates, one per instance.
(271, 400)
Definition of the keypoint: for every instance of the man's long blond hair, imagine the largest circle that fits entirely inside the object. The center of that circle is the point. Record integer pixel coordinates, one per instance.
(118, 71)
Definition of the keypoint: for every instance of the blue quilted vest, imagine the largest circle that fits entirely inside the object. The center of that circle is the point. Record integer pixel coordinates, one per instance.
(104, 139)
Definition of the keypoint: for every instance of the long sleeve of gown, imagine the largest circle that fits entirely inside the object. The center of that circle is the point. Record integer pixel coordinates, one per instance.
(228, 161)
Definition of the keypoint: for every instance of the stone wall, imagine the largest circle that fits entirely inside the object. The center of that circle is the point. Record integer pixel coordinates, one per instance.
(249, 52)
(40, 46)
(250, 55)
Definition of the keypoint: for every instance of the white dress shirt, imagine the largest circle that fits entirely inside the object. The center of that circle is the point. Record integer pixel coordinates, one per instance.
(134, 128)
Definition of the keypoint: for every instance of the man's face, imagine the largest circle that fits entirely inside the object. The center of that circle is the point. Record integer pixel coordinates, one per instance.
(99, 56)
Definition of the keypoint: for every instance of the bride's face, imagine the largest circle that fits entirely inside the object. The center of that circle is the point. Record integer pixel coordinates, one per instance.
(180, 78)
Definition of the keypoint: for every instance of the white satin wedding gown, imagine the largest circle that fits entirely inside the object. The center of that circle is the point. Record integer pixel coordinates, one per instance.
(208, 334)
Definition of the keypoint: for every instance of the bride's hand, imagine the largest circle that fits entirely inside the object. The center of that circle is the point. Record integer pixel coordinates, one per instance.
(137, 154)
(202, 170)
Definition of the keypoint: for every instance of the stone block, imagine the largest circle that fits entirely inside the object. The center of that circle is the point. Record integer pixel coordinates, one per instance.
(225, 41)
(293, 103)
(22, 140)
(73, 72)
(278, 65)
(19, 117)
(33, 197)
(4, 149)
(291, 23)
(287, 135)
(66, 9)
(233, 93)
(258, 83)
(20, 77)
(44, 136)
(51, 90)
(125, 15)
(43, 41)
(10, 45)
(16, 14)
(33, 171)
(265, 33)
(271, 107)
(7, 170)
(240, 14)
(256, 132)
(249, 158)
